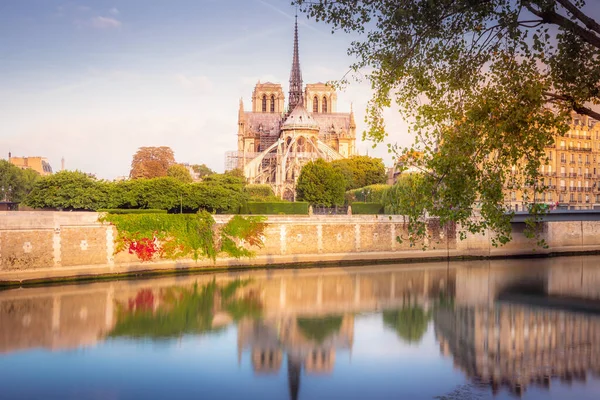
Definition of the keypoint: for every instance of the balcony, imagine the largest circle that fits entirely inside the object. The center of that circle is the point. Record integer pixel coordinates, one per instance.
(572, 189)
(572, 163)
(587, 176)
(587, 189)
(563, 175)
(580, 189)
(572, 175)
(563, 188)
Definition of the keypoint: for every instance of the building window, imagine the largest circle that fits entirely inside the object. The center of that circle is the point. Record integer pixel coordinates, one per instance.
(272, 103)
(572, 197)
(264, 103)
(316, 104)
(561, 198)
(579, 198)
(324, 104)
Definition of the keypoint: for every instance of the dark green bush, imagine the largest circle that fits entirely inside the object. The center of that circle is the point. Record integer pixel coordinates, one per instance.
(274, 208)
(367, 208)
(132, 211)
(370, 194)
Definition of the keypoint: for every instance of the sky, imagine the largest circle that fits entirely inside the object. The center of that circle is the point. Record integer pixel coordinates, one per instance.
(94, 80)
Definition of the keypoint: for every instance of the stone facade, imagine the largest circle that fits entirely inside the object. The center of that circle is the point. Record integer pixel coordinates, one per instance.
(56, 244)
(274, 142)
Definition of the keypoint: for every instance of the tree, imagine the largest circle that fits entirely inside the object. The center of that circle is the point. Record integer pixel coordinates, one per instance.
(151, 162)
(202, 170)
(410, 323)
(485, 85)
(69, 190)
(404, 194)
(361, 171)
(15, 183)
(320, 184)
(179, 172)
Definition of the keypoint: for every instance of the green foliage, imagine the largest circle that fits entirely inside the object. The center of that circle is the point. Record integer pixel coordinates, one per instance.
(182, 311)
(179, 172)
(131, 211)
(274, 208)
(321, 184)
(202, 170)
(76, 191)
(319, 329)
(371, 193)
(248, 229)
(67, 190)
(367, 208)
(174, 236)
(258, 192)
(485, 86)
(15, 183)
(360, 171)
(410, 323)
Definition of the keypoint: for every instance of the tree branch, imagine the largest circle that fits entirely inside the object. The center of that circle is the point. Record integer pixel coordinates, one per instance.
(557, 19)
(578, 108)
(590, 23)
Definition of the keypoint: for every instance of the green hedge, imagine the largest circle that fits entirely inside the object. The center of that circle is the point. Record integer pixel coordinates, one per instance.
(373, 194)
(367, 208)
(274, 208)
(132, 211)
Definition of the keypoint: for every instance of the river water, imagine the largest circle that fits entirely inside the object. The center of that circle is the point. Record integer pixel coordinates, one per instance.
(459, 330)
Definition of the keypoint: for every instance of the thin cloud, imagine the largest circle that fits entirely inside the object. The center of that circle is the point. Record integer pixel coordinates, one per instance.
(288, 15)
(114, 11)
(199, 83)
(105, 22)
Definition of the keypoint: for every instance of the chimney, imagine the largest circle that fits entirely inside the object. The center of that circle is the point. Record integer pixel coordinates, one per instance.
(62, 164)
(9, 155)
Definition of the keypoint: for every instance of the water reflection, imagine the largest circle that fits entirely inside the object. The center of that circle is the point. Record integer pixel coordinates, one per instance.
(510, 327)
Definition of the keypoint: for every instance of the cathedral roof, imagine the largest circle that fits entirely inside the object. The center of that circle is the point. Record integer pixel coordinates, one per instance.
(300, 118)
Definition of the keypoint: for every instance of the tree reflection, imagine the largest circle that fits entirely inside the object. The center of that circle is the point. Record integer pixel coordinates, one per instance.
(410, 323)
(318, 329)
(178, 311)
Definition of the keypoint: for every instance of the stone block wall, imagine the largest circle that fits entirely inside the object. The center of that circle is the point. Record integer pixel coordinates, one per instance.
(72, 242)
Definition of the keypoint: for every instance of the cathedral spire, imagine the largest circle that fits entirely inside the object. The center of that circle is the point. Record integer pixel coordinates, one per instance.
(295, 96)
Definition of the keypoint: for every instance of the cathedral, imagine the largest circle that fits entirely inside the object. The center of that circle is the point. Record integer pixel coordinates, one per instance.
(274, 142)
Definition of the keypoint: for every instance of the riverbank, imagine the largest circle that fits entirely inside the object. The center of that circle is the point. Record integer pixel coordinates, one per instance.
(42, 247)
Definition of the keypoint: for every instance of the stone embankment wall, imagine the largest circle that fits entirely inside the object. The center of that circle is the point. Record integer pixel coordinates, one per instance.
(41, 245)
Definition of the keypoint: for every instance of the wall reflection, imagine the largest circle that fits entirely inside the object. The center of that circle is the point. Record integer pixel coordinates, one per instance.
(299, 322)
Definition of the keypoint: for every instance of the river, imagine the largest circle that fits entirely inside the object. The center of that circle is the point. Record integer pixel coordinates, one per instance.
(459, 330)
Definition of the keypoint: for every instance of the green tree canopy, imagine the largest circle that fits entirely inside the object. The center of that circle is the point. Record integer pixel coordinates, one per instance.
(484, 84)
(68, 190)
(202, 170)
(321, 184)
(179, 172)
(361, 171)
(401, 197)
(15, 183)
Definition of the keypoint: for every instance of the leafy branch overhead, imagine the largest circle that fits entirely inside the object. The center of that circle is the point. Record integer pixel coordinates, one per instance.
(486, 85)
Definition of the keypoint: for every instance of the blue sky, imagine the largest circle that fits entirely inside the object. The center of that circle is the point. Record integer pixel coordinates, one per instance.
(94, 80)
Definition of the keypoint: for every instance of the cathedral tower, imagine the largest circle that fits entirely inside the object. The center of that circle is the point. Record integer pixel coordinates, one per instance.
(295, 96)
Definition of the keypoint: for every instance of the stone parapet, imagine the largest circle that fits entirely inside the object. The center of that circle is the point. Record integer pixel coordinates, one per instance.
(39, 245)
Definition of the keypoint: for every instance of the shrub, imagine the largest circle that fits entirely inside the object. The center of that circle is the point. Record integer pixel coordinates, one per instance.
(131, 211)
(370, 194)
(367, 208)
(274, 208)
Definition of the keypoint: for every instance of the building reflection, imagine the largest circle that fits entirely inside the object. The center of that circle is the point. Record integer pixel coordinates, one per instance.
(302, 322)
(530, 340)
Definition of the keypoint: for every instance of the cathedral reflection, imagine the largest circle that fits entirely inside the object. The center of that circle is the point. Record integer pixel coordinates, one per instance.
(302, 322)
